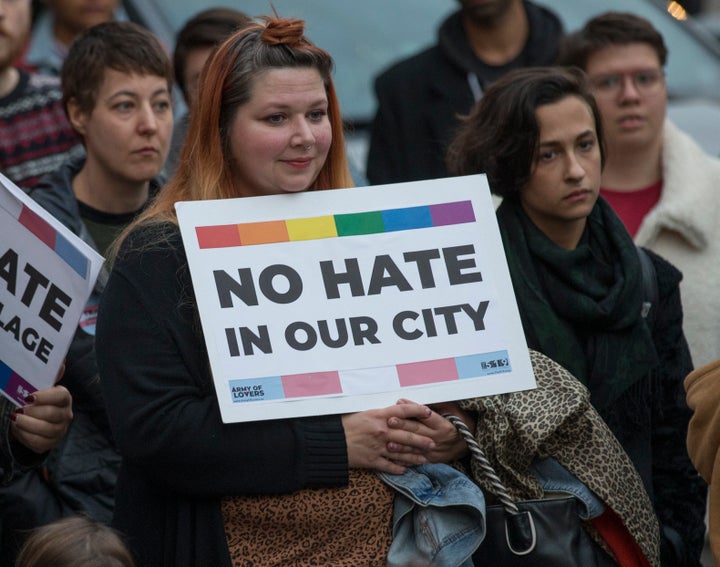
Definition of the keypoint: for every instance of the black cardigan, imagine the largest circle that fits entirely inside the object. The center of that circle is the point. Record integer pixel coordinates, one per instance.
(179, 459)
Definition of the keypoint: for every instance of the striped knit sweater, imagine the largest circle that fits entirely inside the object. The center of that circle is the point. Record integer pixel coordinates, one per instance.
(35, 135)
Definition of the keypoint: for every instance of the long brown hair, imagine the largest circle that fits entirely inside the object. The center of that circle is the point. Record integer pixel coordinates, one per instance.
(204, 169)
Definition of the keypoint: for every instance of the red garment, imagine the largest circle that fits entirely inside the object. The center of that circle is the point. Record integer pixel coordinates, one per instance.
(618, 538)
(632, 206)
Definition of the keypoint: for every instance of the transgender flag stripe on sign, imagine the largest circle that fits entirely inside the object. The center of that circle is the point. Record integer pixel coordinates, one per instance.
(55, 241)
(342, 382)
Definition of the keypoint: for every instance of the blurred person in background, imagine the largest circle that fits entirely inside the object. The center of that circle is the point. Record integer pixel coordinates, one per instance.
(702, 386)
(117, 89)
(56, 26)
(77, 541)
(194, 43)
(35, 135)
(420, 98)
(658, 180)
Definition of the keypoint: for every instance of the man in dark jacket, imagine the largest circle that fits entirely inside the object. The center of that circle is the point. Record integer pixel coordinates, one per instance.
(420, 98)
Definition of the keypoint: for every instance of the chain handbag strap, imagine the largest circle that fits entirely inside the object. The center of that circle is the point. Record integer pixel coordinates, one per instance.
(478, 454)
(520, 533)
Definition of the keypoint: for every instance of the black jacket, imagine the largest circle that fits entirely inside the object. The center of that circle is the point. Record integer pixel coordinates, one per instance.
(420, 98)
(55, 193)
(654, 436)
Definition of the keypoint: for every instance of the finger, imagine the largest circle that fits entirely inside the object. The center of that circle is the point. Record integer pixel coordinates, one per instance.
(414, 440)
(409, 410)
(409, 460)
(31, 425)
(50, 415)
(434, 421)
(427, 426)
(35, 443)
(57, 396)
(400, 449)
(391, 467)
(394, 465)
(32, 440)
(410, 425)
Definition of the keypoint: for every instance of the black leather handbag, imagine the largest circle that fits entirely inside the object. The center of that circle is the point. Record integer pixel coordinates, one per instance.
(534, 533)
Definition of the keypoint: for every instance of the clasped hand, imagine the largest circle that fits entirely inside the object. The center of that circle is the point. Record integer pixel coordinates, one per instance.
(403, 435)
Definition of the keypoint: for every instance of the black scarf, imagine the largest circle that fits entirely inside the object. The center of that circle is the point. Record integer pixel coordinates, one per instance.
(581, 307)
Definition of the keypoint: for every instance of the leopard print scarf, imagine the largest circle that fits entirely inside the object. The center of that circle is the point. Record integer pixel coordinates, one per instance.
(564, 426)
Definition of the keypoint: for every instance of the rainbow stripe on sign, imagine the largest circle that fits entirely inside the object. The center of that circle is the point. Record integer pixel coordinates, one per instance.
(55, 241)
(291, 386)
(333, 226)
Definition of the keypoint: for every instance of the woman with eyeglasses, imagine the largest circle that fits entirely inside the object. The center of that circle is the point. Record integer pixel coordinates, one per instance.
(579, 283)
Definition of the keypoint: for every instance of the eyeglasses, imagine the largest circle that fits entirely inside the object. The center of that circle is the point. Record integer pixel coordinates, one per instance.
(646, 82)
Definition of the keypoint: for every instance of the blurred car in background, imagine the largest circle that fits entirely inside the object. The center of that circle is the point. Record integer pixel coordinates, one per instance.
(365, 37)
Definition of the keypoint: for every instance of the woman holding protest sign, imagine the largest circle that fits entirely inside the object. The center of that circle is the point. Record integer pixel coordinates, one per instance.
(579, 281)
(195, 491)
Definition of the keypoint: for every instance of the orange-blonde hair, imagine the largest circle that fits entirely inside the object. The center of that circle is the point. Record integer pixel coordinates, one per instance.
(204, 170)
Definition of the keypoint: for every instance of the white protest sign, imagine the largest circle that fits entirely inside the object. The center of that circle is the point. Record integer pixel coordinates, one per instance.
(339, 301)
(46, 276)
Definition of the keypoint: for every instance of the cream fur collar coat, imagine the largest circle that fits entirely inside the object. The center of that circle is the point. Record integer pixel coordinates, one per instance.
(684, 228)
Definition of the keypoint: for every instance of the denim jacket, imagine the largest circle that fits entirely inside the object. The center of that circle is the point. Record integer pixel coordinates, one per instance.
(438, 517)
(439, 513)
(553, 477)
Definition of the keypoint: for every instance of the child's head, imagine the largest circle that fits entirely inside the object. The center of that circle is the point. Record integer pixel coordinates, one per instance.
(74, 542)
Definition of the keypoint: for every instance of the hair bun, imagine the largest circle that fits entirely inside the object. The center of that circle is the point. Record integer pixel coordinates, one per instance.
(288, 31)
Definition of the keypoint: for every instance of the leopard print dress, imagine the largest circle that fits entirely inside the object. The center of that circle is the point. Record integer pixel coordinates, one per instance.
(338, 527)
